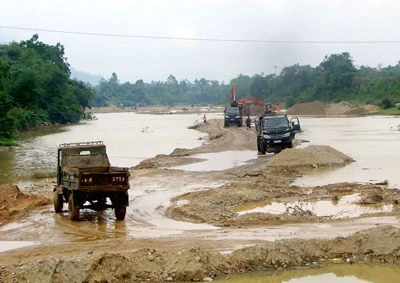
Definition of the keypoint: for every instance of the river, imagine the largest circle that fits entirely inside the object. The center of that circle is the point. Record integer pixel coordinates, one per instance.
(373, 143)
(129, 137)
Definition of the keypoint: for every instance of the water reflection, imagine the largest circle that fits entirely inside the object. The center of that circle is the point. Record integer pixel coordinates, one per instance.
(341, 273)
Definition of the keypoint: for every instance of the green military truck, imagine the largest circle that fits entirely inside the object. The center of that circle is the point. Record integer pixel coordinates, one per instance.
(85, 179)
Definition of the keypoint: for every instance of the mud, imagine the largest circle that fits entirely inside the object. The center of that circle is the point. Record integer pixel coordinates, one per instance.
(201, 255)
(15, 205)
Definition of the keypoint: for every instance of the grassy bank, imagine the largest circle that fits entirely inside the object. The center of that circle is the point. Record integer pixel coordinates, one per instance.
(395, 111)
(8, 142)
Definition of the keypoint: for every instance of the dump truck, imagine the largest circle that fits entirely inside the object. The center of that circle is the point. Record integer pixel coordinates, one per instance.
(233, 113)
(85, 179)
(274, 133)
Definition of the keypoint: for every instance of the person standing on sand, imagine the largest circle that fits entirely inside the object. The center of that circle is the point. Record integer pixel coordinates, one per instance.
(205, 119)
(248, 122)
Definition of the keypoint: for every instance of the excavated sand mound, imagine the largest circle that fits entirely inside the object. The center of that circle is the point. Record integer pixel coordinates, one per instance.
(14, 202)
(335, 109)
(342, 108)
(311, 156)
(311, 108)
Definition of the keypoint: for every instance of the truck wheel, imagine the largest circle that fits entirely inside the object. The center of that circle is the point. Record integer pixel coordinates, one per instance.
(263, 148)
(120, 212)
(73, 209)
(258, 145)
(290, 144)
(58, 202)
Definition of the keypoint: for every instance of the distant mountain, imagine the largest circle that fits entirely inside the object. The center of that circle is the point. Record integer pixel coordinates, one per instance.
(85, 77)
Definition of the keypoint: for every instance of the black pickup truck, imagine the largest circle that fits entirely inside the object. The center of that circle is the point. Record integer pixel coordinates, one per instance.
(233, 115)
(85, 179)
(275, 133)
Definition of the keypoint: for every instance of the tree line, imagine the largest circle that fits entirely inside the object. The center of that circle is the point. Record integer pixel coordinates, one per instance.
(35, 87)
(335, 79)
(170, 92)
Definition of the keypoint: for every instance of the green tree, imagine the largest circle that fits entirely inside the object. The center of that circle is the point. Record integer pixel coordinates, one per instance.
(259, 86)
(54, 54)
(35, 87)
(140, 92)
(337, 72)
(6, 122)
(243, 83)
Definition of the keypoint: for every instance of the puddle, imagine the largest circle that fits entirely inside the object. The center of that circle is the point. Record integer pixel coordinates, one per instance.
(219, 161)
(345, 207)
(12, 226)
(12, 245)
(150, 202)
(300, 230)
(340, 273)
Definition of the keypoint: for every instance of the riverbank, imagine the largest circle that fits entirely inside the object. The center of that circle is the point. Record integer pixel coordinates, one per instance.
(240, 241)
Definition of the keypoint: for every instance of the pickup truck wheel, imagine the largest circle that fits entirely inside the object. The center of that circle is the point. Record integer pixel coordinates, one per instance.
(58, 202)
(73, 209)
(120, 212)
(263, 148)
(258, 145)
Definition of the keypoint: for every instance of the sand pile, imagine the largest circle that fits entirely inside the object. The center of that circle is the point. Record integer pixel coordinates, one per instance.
(311, 108)
(335, 109)
(311, 156)
(13, 202)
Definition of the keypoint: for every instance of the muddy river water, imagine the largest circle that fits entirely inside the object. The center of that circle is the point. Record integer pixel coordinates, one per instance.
(129, 137)
(373, 142)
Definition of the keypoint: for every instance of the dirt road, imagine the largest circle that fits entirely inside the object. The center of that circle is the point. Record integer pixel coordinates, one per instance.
(199, 226)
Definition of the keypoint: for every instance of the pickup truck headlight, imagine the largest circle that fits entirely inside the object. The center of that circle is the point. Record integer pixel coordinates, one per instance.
(237, 117)
(267, 137)
(286, 135)
(227, 117)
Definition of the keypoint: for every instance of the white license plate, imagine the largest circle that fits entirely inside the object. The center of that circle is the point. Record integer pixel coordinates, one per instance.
(277, 141)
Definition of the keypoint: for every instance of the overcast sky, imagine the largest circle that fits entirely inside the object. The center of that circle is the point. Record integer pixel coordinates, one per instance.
(133, 58)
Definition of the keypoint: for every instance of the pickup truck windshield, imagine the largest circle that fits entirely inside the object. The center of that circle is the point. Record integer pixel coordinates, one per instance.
(232, 111)
(275, 122)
